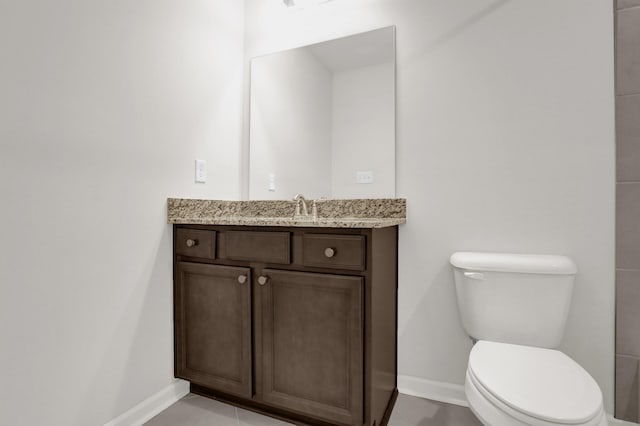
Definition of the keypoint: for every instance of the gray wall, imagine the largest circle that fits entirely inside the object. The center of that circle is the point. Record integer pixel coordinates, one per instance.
(628, 208)
(505, 142)
(104, 106)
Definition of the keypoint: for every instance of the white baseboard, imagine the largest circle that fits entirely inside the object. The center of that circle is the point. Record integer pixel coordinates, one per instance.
(454, 394)
(408, 385)
(429, 389)
(151, 406)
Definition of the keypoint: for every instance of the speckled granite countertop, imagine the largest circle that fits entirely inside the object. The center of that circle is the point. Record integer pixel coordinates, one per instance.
(356, 213)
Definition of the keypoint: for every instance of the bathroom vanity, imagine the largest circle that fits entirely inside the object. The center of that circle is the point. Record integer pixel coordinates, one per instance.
(294, 319)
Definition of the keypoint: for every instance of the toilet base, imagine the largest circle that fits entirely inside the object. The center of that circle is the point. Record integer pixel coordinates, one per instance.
(492, 412)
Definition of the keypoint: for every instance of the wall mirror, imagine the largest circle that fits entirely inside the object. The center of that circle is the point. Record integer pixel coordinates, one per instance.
(323, 120)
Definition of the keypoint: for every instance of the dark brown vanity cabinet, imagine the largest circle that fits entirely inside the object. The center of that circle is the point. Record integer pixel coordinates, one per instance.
(297, 323)
(311, 340)
(213, 326)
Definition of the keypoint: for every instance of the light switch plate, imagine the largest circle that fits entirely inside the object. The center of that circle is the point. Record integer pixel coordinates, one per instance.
(364, 177)
(201, 171)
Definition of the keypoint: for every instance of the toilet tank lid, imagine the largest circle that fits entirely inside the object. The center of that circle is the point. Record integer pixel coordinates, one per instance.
(510, 262)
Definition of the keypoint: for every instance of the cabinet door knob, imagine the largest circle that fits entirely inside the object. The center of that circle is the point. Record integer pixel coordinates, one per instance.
(262, 280)
(192, 243)
(329, 252)
(242, 279)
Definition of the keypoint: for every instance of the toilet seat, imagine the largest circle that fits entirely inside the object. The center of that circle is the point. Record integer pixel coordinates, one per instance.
(492, 412)
(509, 384)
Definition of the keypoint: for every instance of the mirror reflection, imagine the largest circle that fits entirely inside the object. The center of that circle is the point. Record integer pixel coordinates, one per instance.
(323, 120)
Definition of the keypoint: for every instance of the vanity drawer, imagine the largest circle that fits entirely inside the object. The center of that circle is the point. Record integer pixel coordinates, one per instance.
(196, 243)
(268, 247)
(334, 251)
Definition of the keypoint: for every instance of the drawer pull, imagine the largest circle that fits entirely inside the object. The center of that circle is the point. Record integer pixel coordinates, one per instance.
(262, 280)
(242, 279)
(192, 243)
(329, 252)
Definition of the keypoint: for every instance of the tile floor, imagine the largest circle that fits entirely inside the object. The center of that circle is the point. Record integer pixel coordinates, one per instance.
(194, 410)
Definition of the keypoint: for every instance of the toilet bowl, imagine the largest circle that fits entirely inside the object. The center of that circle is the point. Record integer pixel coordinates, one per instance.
(513, 385)
(515, 307)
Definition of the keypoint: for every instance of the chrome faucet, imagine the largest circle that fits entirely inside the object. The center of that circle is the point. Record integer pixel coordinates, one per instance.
(299, 199)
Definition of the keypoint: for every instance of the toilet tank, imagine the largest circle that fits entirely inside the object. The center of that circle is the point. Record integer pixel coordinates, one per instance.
(514, 298)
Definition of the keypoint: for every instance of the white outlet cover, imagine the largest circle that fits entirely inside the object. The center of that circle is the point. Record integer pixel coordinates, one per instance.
(201, 171)
(364, 177)
(272, 182)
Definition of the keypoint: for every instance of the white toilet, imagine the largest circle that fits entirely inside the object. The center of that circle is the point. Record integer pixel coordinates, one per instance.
(516, 307)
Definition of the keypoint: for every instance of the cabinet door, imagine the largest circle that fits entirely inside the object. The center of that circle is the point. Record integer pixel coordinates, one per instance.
(311, 344)
(213, 327)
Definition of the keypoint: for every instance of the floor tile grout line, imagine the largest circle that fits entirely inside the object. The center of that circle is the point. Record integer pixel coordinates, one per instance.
(636, 357)
(621, 9)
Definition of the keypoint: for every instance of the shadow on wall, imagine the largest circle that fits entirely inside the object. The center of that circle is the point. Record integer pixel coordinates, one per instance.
(462, 26)
(438, 290)
(147, 310)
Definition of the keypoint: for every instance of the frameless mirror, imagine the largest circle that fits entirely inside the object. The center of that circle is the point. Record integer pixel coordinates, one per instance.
(323, 120)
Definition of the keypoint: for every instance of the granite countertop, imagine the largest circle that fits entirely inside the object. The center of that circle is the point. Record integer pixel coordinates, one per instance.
(354, 213)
